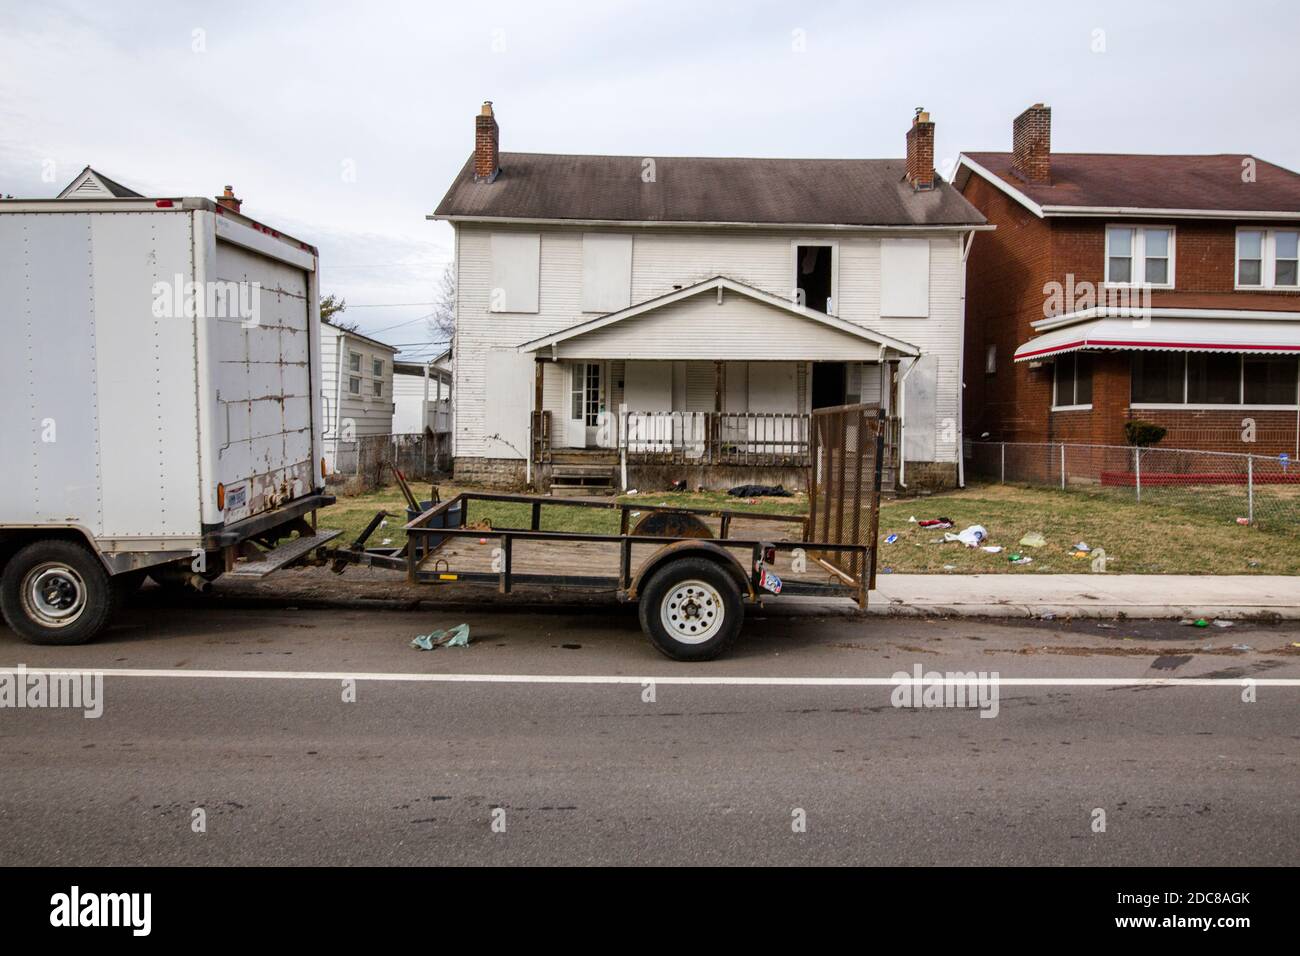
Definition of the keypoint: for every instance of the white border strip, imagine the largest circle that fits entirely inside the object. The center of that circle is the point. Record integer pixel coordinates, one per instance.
(698, 679)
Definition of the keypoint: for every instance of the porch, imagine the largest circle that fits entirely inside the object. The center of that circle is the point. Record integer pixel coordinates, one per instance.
(714, 384)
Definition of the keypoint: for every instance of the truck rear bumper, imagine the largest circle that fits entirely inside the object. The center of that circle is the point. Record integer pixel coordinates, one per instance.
(232, 534)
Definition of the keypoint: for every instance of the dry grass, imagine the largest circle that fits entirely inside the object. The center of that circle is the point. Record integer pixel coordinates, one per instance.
(1146, 538)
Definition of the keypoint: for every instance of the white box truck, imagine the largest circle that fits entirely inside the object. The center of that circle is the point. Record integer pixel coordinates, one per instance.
(160, 379)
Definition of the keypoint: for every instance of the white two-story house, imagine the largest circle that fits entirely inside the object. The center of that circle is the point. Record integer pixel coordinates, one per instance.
(640, 320)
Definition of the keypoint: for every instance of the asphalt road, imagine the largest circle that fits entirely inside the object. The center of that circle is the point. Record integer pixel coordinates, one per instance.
(416, 771)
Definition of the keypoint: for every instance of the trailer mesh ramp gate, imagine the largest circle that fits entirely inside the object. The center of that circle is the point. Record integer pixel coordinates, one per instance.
(847, 451)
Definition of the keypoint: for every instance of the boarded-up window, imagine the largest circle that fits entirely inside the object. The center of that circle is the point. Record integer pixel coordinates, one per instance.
(905, 278)
(606, 272)
(516, 262)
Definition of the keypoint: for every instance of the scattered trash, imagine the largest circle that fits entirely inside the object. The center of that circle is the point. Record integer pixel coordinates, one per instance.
(1199, 622)
(1049, 616)
(912, 520)
(1021, 559)
(936, 523)
(759, 491)
(1242, 647)
(679, 485)
(1033, 540)
(971, 537)
(891, 539)
(635, 514)
(1219, 622)
(1082, 547)
(950, 567)
(1243, 521)
(891, 571)
(386, 541)
(1099, 560)
(992, 548)
(1107, 627)
(457, 636)
(631, 491)
(1252, 564)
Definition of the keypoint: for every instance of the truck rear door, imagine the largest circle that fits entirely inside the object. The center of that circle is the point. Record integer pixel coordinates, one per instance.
(263, 382)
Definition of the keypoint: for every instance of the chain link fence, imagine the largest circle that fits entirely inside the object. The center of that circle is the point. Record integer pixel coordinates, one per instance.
(1259, 490)
(364, 461)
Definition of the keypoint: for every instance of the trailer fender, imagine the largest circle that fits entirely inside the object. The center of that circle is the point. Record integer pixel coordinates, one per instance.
(692, 549)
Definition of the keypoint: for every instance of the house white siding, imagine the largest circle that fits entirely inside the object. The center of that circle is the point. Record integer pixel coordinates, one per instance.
(347, 415)
(696, 331)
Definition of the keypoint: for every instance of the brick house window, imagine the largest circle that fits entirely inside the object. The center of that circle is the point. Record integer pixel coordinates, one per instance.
(1072, 382)
(1140, 255)
(1268, 259)
(1209, 379)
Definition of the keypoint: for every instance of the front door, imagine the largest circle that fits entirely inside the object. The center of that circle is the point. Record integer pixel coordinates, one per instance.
(586, 398)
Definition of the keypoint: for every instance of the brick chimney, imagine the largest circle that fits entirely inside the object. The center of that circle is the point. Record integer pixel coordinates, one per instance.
(229, 200)
(1031, 144)
(486, 137)
(920, 151)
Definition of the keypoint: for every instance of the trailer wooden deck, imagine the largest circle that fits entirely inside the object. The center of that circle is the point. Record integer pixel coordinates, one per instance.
(446, 545)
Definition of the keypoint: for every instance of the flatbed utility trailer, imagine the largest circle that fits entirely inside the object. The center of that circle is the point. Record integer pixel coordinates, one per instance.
(691, 570)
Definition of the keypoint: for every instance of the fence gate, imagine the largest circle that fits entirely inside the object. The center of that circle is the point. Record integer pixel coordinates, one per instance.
(846, 445)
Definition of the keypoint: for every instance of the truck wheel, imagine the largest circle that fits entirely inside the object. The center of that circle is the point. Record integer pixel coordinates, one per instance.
(691, 609)
(56, 592)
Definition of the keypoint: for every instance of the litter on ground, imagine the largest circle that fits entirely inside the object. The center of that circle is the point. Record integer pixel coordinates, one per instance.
(457, 636)
(971, 537)
(936, 523)
(891, 539)
(992, 548)
(1033, 540)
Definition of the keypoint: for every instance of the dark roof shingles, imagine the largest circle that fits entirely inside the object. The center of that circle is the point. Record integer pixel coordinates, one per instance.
(1139, 181)
(854, 192)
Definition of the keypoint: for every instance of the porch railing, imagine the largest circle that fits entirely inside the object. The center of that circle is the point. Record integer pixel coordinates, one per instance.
(541, 435)
(757, 439)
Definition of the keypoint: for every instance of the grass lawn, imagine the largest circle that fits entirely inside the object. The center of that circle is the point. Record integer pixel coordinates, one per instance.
(1147, 538)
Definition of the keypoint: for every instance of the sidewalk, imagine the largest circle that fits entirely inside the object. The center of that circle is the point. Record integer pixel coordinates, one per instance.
(1088, 595)
(931, 595)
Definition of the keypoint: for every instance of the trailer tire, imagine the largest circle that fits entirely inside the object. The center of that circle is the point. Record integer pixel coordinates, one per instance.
(691, 609)
(56, 592)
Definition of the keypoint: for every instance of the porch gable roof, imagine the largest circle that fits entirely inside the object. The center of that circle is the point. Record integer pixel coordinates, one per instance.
(720, 284)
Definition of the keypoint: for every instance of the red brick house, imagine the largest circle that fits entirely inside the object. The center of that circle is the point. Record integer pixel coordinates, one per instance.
(1125, 286)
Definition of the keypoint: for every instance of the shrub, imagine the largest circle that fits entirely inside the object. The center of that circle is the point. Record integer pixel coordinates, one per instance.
(1143, 434)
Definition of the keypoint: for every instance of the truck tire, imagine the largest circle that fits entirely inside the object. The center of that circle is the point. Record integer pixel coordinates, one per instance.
(691, 609)
(56, 592)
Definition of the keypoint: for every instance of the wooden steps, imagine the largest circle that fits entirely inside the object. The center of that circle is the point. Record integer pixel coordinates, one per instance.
(582, 479)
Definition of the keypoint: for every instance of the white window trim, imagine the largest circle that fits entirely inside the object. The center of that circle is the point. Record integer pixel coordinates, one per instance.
(355, 378)
(1056, 367)
(1206, 406)
(373, 373)
(1268, 261)
(354, 355)
(1175, 407)
(835, 269)
(1139, 258)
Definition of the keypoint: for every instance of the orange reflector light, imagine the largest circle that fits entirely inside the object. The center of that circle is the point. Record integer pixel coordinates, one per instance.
(221, 497)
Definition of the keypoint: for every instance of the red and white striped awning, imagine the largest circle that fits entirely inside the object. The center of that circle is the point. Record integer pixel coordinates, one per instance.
(1255, 336)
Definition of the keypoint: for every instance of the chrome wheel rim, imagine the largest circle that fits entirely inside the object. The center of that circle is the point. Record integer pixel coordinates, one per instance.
(692, 612)
(54, 594)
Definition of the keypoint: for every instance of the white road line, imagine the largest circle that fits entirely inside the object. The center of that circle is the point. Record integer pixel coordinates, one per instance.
(700, 679)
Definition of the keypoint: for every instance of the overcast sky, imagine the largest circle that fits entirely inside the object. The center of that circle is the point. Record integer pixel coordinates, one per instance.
(285, 100)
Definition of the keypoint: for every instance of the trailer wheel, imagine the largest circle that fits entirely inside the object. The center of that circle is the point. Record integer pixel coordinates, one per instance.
(691, 609)
(56, 592)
